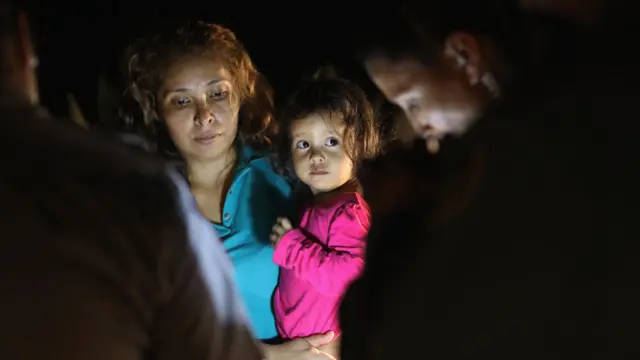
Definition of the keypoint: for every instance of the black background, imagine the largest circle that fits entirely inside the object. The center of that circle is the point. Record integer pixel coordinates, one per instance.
(79, 40)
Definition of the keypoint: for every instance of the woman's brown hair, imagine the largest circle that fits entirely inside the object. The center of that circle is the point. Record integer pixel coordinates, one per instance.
(147, 59)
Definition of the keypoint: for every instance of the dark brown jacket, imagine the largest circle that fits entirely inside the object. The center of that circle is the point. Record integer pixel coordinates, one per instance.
(95, 259)
(541, 260)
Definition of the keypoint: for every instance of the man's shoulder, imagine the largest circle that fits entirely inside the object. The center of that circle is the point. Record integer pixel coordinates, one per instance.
(52, 144)
(63, 159)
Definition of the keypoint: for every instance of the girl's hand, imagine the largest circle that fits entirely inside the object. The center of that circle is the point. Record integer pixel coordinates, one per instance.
(300, 349)
(282, 226)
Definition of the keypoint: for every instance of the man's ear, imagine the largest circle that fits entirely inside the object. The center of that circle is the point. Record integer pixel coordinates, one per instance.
(27, 58)
(464, 50)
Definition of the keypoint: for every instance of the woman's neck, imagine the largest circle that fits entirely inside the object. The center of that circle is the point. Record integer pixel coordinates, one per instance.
(213, 172)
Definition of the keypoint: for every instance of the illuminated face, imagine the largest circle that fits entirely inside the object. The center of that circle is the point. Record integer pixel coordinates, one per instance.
(437, 101)
(318, 151)
(198, 104)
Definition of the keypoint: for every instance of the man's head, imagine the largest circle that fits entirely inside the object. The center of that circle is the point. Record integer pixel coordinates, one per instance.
(442, 61)
(18, 61)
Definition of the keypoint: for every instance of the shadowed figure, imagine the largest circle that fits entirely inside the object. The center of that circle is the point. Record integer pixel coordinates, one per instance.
(102, 252)
(540, 261)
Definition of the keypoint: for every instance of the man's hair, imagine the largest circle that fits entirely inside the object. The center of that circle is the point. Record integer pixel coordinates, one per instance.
(8, 18)
(419, 29)
(8, 29)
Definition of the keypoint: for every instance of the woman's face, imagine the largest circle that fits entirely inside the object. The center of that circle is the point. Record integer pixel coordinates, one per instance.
(437, 101)
(200, 106)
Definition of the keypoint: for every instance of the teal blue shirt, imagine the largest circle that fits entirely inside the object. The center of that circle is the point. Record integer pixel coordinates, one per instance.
(255, 199)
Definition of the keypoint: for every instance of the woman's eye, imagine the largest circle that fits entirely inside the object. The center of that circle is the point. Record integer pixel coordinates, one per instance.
(219, 95)
(331, 142)
(182, 102)
(302, 144)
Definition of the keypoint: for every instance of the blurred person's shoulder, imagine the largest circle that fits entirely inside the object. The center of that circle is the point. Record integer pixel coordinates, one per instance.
(93, 180)
(37, 147)
(106, 236)
(34, 135)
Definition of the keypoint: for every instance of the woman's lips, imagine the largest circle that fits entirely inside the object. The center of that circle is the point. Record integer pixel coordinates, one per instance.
(206, 139)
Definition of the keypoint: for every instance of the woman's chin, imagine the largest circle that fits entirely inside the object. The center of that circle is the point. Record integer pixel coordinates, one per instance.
(210, 150)
(207, 154)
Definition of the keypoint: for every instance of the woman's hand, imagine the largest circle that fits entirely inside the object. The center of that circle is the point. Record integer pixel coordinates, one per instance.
(332, 349)
(282, 226)
(300, 349)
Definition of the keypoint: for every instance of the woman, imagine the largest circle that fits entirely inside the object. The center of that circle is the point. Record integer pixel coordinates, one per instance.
(204, 102)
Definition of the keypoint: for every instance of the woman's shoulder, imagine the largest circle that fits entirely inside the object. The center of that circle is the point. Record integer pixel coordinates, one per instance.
(263, 165)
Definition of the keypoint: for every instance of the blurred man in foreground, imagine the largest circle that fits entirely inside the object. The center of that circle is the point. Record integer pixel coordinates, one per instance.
(102, 253)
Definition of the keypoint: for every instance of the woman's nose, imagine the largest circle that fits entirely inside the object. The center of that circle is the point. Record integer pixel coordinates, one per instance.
(204, 115)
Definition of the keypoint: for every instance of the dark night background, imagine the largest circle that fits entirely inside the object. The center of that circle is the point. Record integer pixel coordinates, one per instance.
(78, 40)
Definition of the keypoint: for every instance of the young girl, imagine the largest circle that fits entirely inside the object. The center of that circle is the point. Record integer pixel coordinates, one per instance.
(328, 128)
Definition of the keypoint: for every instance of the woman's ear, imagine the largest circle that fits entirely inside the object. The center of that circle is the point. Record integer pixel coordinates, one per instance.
(147, 102)
(464, 50)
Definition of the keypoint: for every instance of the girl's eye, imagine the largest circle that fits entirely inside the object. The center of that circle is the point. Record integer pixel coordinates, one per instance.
(302, 144)
(219, 95)
(331, 142)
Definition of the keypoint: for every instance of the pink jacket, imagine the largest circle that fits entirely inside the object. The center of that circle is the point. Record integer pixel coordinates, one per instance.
(318, 261)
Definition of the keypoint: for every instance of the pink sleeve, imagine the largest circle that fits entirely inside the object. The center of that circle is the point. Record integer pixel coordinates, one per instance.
(329, 268)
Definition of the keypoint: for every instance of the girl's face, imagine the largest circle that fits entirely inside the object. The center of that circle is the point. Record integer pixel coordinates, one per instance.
(200, 108)
(318, 151)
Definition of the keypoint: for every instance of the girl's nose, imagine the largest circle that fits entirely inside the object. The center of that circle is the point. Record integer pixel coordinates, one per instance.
(316, 156)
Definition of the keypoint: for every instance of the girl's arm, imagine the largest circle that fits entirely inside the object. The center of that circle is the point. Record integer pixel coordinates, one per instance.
(330, 269)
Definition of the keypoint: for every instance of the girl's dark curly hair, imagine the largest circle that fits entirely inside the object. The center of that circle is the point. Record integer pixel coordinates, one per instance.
(326, 93)
(147, 60)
